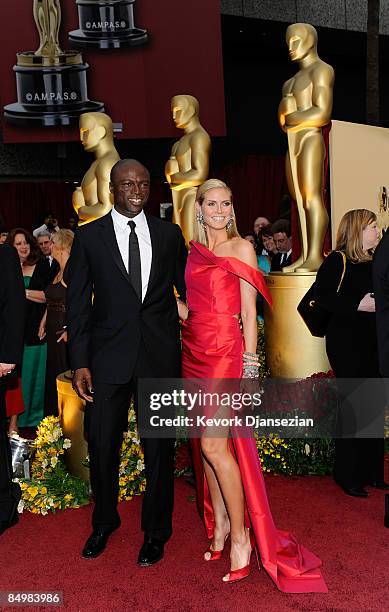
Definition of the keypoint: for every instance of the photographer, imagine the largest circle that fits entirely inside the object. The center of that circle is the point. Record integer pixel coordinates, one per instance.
(50, 224)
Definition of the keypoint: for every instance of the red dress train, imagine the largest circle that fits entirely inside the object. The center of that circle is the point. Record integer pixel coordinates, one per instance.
(213, 348)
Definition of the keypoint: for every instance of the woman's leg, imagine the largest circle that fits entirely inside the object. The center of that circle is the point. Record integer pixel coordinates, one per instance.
(222, 522)
(230, 490)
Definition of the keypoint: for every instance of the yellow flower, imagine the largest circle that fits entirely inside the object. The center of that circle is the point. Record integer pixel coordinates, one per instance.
(33, 491)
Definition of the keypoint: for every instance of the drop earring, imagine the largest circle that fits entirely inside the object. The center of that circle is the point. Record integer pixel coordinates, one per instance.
(200, 218)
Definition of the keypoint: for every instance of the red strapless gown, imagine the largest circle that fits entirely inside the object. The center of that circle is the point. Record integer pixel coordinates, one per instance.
(212, 348)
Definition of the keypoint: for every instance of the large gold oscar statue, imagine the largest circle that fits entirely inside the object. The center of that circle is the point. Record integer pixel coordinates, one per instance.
(188, 165)
(305, 108)
(93, 198)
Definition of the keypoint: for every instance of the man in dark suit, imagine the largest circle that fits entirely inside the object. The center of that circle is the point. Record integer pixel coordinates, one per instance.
(381, 297)
(45, 244)
(12, 313)
(283, 241)
(130, 262)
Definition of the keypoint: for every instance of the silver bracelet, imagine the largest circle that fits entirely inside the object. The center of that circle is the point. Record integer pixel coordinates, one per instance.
(248, 355)
(250, 371)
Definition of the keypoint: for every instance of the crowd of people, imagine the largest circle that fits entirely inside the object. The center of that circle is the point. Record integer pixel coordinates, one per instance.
(272, 243)
(31, 391)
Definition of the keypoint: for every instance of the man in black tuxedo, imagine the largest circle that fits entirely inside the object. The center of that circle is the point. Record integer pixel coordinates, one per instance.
(381, 295)
(130, 262)
(283, 241)
(12, 313)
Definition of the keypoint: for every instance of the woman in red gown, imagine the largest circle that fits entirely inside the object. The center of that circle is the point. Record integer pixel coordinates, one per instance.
(222, 280)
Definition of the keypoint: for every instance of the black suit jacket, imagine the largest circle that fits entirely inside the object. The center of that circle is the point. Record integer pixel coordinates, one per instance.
(381, 294)
(276, 262)
(12, 306)
(105, 335)
(51, 271)
(40, 279)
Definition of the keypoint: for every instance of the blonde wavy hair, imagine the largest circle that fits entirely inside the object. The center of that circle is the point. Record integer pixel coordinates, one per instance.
(349, 238)
(200, 235)
(63, 239)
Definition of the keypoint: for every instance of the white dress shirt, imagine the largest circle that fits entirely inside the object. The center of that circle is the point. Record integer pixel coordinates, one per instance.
(122, 233)
(284, 256)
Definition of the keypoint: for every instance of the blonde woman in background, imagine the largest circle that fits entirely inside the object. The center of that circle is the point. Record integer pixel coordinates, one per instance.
(53, 324)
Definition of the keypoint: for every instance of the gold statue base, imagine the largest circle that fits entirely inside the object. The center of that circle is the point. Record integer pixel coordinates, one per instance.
(291, 350)
(71, 413)
(65, 58)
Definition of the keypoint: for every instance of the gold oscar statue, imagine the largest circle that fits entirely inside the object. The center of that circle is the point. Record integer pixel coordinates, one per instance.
(383, 210)
(305, 108)
(93, 198)
(188, 165)
(47, 15)
(306, 105)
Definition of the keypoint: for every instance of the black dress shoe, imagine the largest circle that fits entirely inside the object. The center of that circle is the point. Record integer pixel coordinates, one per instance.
(355, 491)
(151, 552)
(96, 543)
(379, 484)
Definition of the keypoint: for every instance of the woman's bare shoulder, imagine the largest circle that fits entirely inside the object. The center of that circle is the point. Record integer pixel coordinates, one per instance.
(228, 247)
(243, 250)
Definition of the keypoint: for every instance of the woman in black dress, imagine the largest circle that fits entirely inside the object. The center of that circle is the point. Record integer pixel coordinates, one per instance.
(53, 322)
(36, 278)
(351, 344)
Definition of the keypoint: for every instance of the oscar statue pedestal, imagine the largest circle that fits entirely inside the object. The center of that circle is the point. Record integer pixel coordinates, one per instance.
(291, 350)
(71, 413)
(51, 90)
(107, 24)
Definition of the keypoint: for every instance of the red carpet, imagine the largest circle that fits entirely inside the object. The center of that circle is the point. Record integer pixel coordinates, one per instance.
(43, 553)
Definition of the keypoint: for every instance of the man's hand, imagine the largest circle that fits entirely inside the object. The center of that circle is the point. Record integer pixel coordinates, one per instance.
(82, 384)
(367, 303)
(63, 337)
(183, 310)
(6, 368)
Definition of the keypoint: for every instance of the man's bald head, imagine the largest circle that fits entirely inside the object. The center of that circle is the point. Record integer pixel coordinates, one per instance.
(123, 164)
